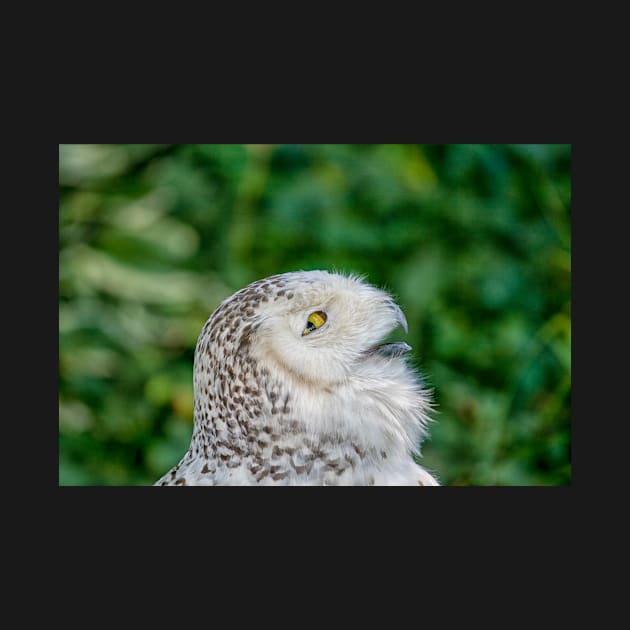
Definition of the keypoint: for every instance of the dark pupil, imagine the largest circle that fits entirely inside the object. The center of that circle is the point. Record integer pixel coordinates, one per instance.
(310, 325)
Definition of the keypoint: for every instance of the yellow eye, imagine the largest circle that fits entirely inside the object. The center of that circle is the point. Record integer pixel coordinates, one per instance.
(315, 320)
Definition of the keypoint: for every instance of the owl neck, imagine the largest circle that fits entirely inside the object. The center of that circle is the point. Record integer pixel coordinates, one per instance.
(244, 416)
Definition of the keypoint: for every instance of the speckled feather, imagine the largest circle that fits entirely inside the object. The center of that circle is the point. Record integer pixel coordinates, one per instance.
(275, 407)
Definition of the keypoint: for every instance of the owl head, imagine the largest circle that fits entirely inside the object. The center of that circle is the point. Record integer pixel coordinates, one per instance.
(314, 327)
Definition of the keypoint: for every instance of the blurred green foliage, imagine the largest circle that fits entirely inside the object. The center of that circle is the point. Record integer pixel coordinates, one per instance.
(474, 240)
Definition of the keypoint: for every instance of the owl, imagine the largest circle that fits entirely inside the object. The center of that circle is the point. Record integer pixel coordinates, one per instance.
(294, 386)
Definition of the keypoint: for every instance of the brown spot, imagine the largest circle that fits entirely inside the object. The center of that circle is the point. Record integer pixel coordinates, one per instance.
(262, 474)
(277, 451)
(359, 451)
(205, 469)
(180, 482)
(267, 429)
(280, 475)
(305, 468)
(383, 454)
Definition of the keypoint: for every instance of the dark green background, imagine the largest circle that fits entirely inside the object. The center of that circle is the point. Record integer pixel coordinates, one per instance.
(473, 240)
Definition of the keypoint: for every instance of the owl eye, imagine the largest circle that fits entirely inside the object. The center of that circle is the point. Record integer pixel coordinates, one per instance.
(314, 321)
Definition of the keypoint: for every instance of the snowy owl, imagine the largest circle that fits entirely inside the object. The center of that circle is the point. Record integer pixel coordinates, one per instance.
(292, 386)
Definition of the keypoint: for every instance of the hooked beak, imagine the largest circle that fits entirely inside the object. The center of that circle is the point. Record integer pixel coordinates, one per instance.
(397, 348)
(400, 316)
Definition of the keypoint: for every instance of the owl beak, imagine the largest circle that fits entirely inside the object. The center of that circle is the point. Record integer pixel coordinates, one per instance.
(391, 350)
(397, 348)
(400, 316)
